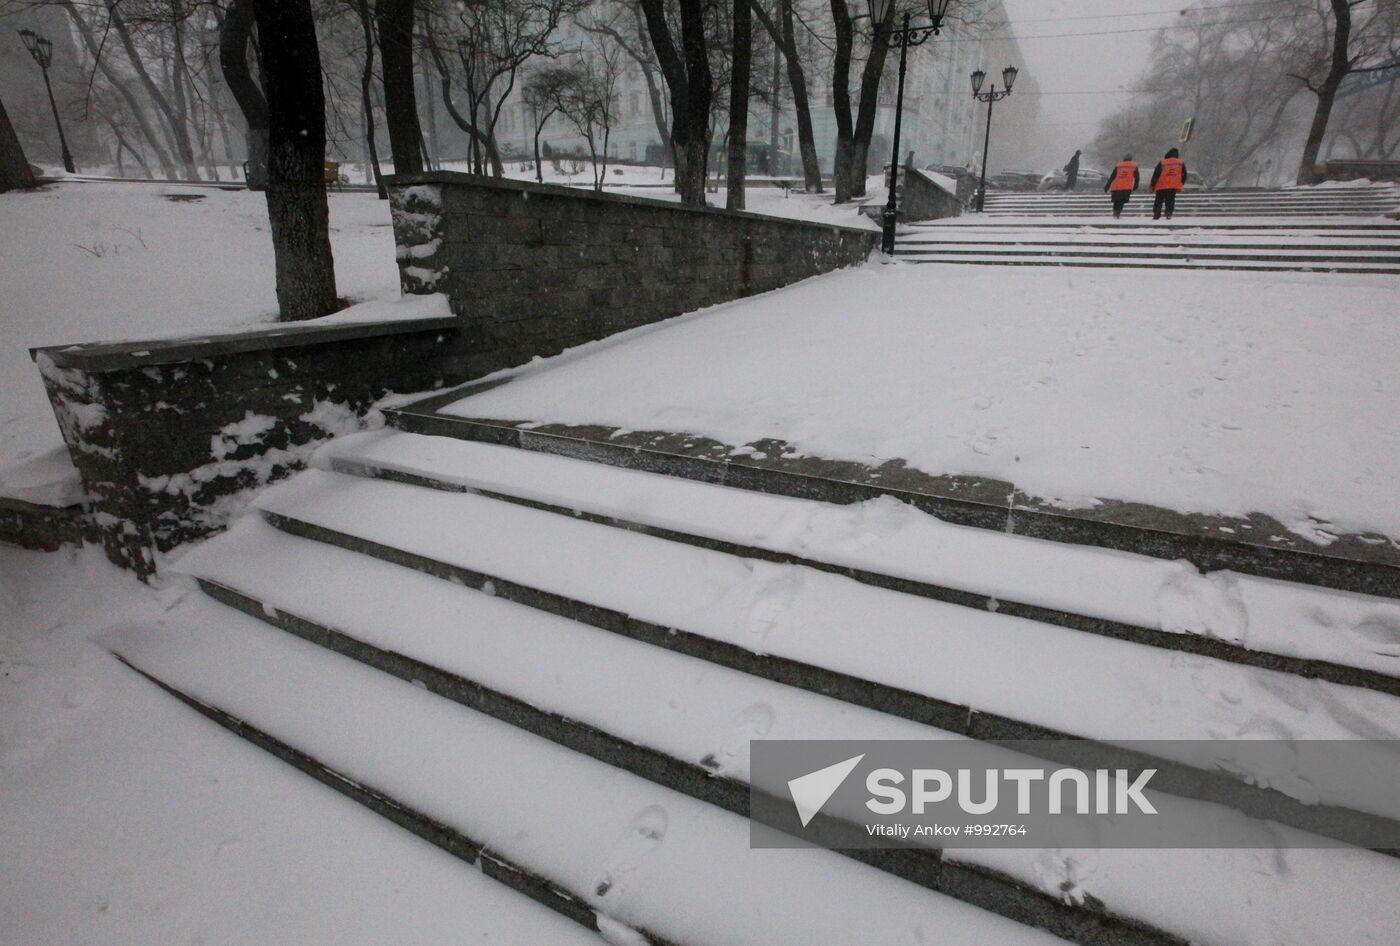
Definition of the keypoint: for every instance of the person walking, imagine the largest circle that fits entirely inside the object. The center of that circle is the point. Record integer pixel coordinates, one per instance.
(1072, 172)
(1167, 180)
(1121, 184)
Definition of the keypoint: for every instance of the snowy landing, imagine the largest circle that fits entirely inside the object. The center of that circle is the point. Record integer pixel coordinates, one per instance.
(1215, 393)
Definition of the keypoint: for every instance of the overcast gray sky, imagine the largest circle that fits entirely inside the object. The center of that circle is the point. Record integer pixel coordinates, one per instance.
(1079, 75)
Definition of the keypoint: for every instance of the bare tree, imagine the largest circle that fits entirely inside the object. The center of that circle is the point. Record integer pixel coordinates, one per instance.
(782, 31)
(624, 23)
(395, 20)
(742, 29)
(544, 94)
(590, 103)
(296, 194)
(853, 137)
(123, 86)
(1354, 32)
(691, 86)
(235, 38)
(492, 42)
(362, 11)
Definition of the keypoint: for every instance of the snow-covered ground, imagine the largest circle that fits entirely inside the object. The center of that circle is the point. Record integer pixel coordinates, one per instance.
(127, 819)
(1209, 392)
(106, 261)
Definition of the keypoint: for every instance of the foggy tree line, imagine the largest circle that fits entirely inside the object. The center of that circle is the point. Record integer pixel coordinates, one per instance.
(1263, 89)
(176, 86)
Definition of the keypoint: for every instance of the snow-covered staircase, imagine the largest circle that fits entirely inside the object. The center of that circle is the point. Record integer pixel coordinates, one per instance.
(553, 668)
(1327, 200)
(1358, 247)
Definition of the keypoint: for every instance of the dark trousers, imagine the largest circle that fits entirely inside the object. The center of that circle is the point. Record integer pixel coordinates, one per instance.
(1120, 200)
(1164, 200)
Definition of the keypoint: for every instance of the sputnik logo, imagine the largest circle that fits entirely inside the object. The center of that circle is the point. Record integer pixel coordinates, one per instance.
(811, 791)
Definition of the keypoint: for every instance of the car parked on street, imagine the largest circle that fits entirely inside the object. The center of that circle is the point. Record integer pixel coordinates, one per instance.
(1088, 178)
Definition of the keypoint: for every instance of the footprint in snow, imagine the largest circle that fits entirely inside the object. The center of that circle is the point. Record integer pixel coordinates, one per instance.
(754, 722)
(772, 600)
(645, 831)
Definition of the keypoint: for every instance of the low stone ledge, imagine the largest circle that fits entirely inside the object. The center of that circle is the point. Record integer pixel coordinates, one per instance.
(43, 528)
(169, 435)
(111, 356)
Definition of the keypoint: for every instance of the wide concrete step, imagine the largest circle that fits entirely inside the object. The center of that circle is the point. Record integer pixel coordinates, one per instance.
(1237, 227)
(1121, 261)
(1343, 247)
(685, 725)
(617, 852)
(925, 660)
(1271, 254)
(1283, 626)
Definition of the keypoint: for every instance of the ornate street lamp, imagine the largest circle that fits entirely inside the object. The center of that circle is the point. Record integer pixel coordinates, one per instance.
(42, 51)
(902, 36)
(1008, 79)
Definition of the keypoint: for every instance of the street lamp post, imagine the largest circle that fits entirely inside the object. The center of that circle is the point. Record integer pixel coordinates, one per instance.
(903, 36)
(1008, 78)
(42, 51)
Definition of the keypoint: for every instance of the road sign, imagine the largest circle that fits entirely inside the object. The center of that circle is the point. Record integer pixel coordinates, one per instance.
(1361, 81)
(1186, 128)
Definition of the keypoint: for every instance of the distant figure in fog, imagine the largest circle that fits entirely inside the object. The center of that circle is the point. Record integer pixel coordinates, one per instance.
(1072, 172)
(1121, 184)
(1167, 180)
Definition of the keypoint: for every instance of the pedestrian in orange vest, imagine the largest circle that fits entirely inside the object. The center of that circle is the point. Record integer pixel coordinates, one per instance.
(1167, 180)
(1121, 184)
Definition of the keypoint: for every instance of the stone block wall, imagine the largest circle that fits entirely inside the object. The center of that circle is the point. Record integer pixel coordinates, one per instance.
(533, 269)
(169, 436)
(922, 199)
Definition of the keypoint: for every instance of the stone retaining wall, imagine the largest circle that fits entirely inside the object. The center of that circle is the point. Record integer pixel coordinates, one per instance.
(169, 436)
(922, 199)
(532, 269)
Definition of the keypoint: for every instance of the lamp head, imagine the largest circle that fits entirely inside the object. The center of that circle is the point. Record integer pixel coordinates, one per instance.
(1008, 77)
(977, 79)
(39, 47)
(880, 10)
(937, 10)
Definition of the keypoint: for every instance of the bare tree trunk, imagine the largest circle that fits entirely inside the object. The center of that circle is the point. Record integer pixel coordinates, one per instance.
(138, 111)
(366, 96)
(775, 110)
(180, 119)
(691, 86)
(1337, 70)
(395, 21)
(853, 137)
(296, 192)
(433, 157)
(869, 106)
(784, 34)
(234, 38)
(739, 105)
(15, 172)
(122, 144)
(841, 100)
